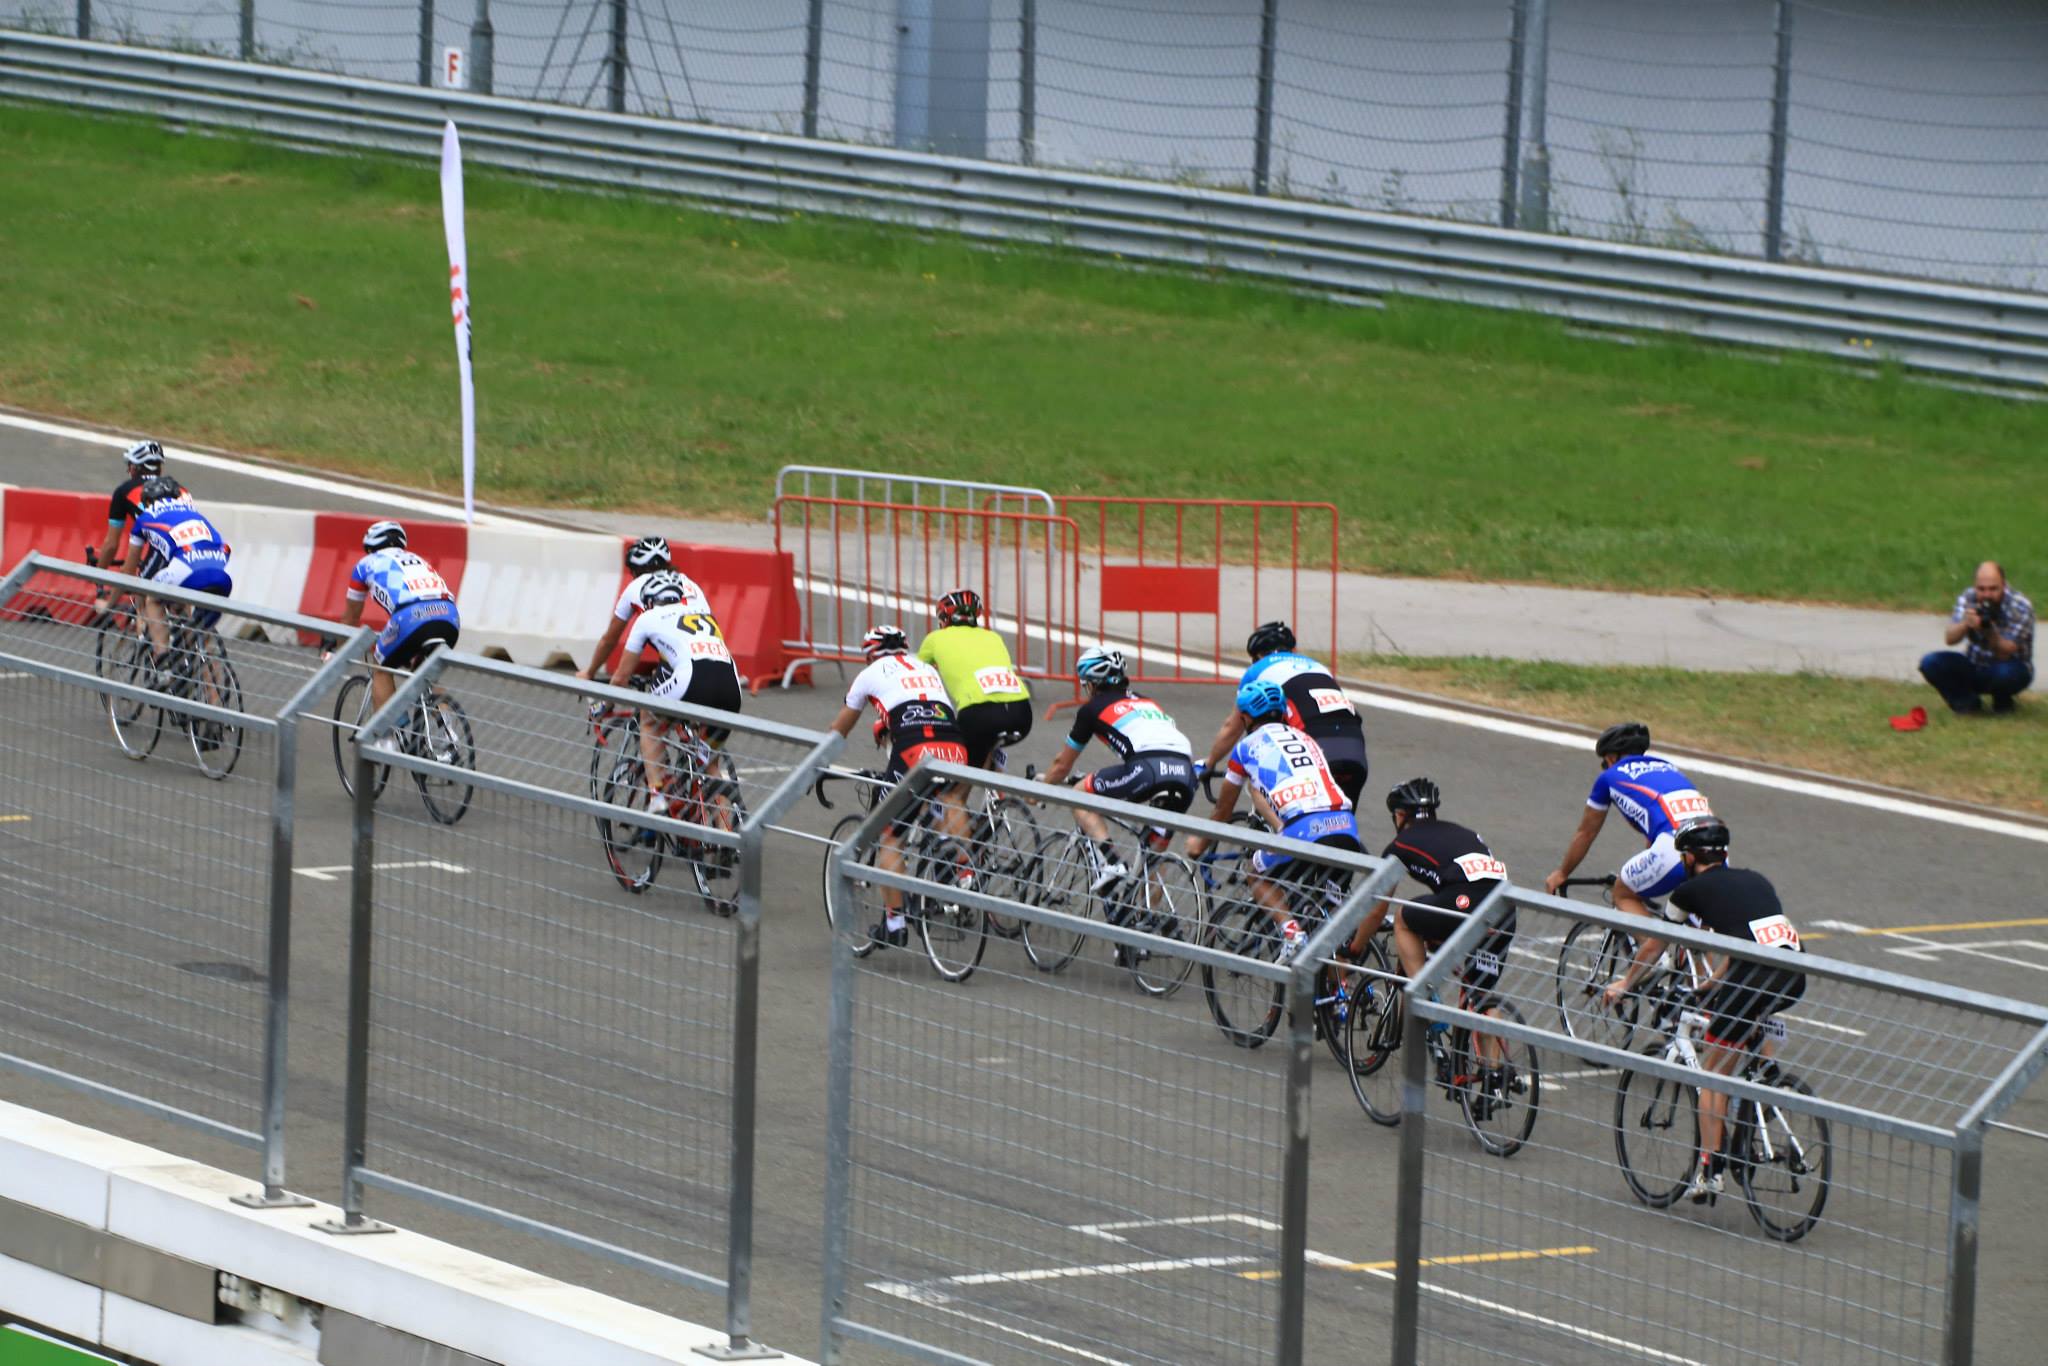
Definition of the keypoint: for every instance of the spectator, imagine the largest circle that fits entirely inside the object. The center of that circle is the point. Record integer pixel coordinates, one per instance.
(1999, 625)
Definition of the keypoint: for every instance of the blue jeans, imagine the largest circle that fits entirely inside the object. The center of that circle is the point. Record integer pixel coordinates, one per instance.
(1961, 683)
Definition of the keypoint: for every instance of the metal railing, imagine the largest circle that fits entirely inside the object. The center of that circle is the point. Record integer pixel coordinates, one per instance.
(148, 850)
(1947, 330)
(546, 1030)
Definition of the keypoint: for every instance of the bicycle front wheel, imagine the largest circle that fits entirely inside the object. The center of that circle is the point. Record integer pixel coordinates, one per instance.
(1784, 1160)
(1341, 987)
(955, 935)
(1065, 888)
(217, 745)
(352, 708)
(1372, 1036)
(1167, 902)
(1008, 858)
(863, 892)
(443, 733)
(1247, 1006)
(1656, 1135)
(633, 850)
(1590, 959)
(719, 806)
(136, 723)
(1503, 1086)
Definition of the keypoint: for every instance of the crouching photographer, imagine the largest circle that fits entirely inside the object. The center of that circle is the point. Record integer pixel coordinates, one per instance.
(1998, 661)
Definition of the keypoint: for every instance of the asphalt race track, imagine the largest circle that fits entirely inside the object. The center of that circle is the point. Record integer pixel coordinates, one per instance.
(1972, 896)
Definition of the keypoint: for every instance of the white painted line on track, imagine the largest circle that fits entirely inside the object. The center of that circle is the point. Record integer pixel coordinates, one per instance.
(1066, 1273)
(17, 673)
(1583, 1334)
(1037, 1339)
(1804, 1023)
(1110, 1231)
(333, 872)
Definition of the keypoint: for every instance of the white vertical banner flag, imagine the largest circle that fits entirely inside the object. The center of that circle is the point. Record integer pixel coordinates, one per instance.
(458, 300)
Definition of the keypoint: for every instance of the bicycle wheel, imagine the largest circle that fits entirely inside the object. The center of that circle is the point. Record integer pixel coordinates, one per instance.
(719, 806)
(1784, 1160)
(863, 892)
(1372, 1036)
(136, 723)
(440, 731)
(1166, 901)
(1504, 1085)
(1590, 959)
(1339, 989)
(217, 745)
(955, 935)
(1656, 1135)
(634, 851)
(1247, 1006)
(351, 709)
(112, 626)
(1007, 859)
(1064, 888)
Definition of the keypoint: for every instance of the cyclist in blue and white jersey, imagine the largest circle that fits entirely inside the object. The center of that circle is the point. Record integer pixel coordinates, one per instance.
(172, 543)
(1316, 706)
(422, 609)
(1293, 788)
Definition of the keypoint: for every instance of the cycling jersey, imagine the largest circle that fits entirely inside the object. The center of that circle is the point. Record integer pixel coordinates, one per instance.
(633, 599)
(1316, 705)
(174, 532)
(697, 665)
(911, 697)
(1651, 795)
(1742, 904)
(1447, 857)
(1129, 724)
(975, 665)
(1289, 769)
(127, 499)
(395, 578)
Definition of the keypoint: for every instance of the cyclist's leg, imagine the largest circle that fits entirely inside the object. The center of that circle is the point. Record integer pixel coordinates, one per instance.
(1650, 875)
(154, 618)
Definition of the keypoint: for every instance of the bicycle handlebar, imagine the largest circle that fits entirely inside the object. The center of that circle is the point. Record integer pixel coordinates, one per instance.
(1605, 880)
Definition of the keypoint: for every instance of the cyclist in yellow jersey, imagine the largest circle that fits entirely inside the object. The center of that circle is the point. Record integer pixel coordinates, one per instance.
(990, 699)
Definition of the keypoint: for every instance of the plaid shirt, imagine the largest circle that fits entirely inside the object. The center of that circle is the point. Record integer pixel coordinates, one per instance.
(2016, 624)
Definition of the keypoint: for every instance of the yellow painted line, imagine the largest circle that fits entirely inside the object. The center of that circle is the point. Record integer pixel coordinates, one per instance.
(1468, 1259)
(9, 820)
(2031, 921)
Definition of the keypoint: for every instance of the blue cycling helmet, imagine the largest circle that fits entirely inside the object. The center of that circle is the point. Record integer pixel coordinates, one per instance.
(1261, 698)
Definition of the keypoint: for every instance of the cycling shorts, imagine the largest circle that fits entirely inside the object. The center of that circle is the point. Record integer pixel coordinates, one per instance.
(1345, 754)
(200, 578)
(1657, 871)
(712, 684)
(1750, 994)
(903, 758)
(1162, 780)
(1331, 829)
(414, 629)
(1437, 916)
(984, 724)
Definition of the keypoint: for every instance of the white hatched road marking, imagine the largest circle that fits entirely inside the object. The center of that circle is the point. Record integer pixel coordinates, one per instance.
(333, 871)
(1926, 950)
(1109, 1231)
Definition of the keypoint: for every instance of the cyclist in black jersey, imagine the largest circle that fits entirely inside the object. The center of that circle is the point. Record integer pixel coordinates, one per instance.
(1459, 870)
(145, 461)
(1155, 767)
(1740, 995)
(1316, 706)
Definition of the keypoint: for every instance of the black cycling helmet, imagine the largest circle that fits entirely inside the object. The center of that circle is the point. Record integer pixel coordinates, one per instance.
(647, 554)
(1418, 797)
(1269, 638)
(144, 457)
(1625, 737)
(961, 607)
(663, 590)
(1702, 835)
(159, 489)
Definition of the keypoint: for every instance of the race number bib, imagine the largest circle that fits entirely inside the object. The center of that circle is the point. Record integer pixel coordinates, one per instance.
(1774, 932)
(425, 583)
(1684, 805)
(189, 534)
(1288, 796)
(1486, 961)
(1482, 868)
(1329, 700)
(997, 680)
(711, 648)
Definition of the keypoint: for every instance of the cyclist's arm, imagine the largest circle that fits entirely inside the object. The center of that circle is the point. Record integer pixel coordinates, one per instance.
(848, 718)
(1575, 852)
(112, 543)
(131, 558)
(605, 645)
(1229, 734)
(1226, 802)
(1062, 764)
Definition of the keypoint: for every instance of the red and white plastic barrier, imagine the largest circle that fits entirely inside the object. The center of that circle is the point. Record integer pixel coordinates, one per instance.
(535, 595)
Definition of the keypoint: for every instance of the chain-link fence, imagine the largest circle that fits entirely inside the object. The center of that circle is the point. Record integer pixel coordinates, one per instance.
(1069, 1110)
(146, 827)
(1846, 1153)
(555, 970)
(1876, 134)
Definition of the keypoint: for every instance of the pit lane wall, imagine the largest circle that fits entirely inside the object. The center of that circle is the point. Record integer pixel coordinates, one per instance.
(124, 1248)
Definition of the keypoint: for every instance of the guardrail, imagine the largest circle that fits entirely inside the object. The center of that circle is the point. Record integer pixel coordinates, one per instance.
(1947, 330)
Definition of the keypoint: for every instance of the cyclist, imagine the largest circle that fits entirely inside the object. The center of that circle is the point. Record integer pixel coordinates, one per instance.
(918, 716)
(696, 666)
(646, 557)
(145, 461)
(172, 543)
(991, 700)
(1654, 797)
(1316, 706)
(1740, 995)
(1459, 870)
(1294, 790)
(422, 609)
(1155, 763)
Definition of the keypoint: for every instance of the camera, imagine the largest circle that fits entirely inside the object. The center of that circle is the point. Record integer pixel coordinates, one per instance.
(1988, 612)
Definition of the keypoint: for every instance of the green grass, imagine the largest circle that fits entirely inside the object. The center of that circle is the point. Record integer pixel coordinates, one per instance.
(633, 353)
(1830, 725)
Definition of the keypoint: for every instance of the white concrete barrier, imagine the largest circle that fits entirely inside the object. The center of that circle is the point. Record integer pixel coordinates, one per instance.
(536, 594)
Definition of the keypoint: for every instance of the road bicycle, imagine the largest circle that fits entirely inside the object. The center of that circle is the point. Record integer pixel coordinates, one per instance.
(194, 667)
(1594, 955)
(1496, 1081)
(954, 934)
(1162, 895)
(110, 626)
(701, 777)
(1781, 1159)
(435, 728)
(1006, 843)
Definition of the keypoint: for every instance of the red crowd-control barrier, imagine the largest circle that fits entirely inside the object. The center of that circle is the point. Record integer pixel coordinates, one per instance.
(860, 563)
(1212, 568)
(338, 544)
(753, 595)
(56, 523)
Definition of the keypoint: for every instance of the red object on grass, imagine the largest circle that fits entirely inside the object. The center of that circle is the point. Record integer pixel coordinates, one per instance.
(1915, 719)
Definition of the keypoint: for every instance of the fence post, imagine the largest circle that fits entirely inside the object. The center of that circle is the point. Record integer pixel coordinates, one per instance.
(426, 42)
(1966, 1184)
(85, 18)
(814, 38)
(482, 42)
(1535, 210)
(1781, 96)
(248, 30)
(1301, 1047)
(1408, 1196)
(1027, 82)
(616, 61)
(1262, 137)
(1511, 135)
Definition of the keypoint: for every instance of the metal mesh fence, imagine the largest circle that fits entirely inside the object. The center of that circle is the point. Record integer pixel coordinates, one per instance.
(1874, 134)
